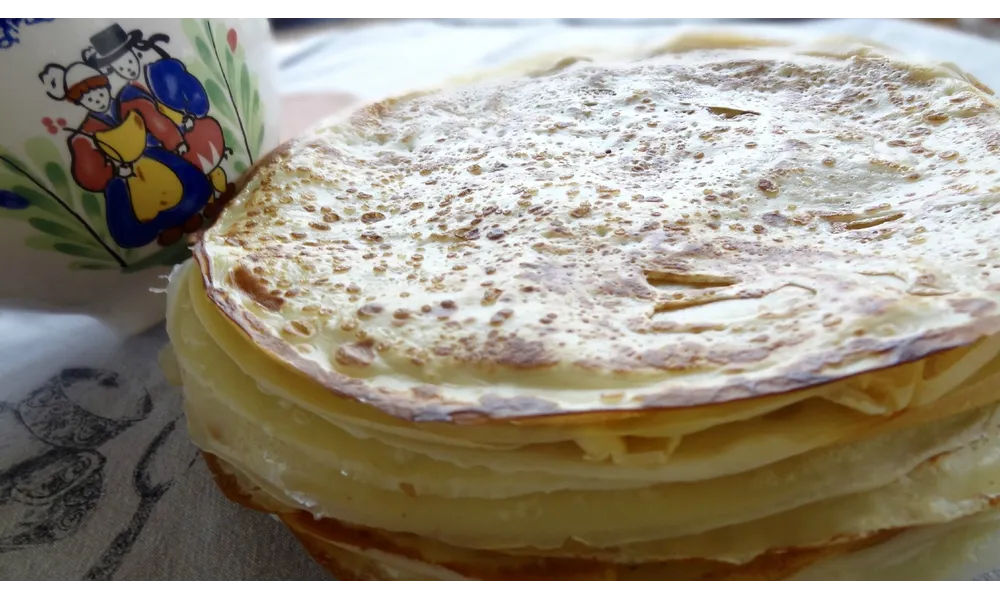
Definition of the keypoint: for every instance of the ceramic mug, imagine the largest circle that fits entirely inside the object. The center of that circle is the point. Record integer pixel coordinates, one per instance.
(118, 139)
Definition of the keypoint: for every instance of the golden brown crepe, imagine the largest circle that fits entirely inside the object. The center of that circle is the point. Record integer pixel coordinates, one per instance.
(726, 311)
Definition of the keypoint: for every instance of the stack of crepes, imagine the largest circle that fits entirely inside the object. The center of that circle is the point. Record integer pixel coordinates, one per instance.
(726, 311)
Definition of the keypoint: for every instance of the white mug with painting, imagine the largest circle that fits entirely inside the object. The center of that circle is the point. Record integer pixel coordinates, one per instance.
(118, 139)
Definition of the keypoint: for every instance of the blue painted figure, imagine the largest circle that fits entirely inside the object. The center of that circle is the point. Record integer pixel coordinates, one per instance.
(146, 142)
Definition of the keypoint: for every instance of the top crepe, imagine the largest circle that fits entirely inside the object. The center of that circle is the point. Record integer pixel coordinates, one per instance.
(700, 226)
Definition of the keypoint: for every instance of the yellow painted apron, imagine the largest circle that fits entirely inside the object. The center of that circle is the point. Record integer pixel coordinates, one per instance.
(153, 187)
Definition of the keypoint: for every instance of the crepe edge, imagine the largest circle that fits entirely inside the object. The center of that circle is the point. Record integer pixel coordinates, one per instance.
(322, 536)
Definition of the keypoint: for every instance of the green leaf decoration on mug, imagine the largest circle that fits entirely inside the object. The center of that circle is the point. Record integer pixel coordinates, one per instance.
(220, 64)
(40, 194)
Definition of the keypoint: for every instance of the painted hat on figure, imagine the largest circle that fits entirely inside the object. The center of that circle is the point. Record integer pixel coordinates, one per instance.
(109, 44)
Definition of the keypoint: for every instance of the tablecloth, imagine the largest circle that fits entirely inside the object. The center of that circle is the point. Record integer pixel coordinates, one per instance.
(97, 477)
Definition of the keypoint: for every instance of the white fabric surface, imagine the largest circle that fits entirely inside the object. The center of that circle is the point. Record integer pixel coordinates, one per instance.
(382, 60)
(97, 478)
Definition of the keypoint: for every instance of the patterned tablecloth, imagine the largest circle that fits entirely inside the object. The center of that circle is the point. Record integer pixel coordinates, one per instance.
(97, 477)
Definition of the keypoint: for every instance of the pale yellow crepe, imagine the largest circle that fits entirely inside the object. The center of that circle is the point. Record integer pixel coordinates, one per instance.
(727, 308)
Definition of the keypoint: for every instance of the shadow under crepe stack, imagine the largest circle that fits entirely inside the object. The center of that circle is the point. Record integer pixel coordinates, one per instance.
(728, 311)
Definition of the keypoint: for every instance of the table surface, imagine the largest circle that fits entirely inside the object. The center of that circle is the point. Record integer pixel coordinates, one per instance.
(97, 477)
